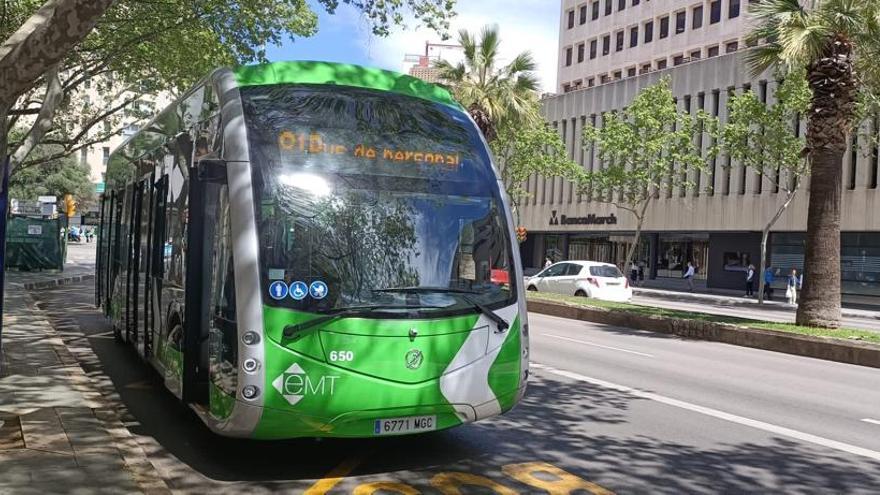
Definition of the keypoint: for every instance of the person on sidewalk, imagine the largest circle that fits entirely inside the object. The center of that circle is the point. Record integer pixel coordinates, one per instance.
(641, 273)
(633, 273)
(750, 281)
(689, 276)
(547, 262)
(792, 287)
(769, 278)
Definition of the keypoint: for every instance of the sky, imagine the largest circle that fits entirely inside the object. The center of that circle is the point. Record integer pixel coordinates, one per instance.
(346, 37)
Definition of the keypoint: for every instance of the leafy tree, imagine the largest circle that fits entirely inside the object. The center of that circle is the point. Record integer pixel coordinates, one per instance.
(57, 178)
(532, 148)
(492, 94)
(833, 40)
(646, 147)
(762, 137)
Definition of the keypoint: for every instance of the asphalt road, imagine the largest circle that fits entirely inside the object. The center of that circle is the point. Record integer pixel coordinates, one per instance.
(608, 410)
(774, 313)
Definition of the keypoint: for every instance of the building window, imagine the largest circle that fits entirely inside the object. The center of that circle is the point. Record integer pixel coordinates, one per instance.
(731, 47)
(570, 19)
(733, 9)
(106, 155)
(680, 20)
(664, 27)
(678, 60)
(635, 2)
(595, 10)
(645, 69)
(649, 31)
(568, 56)
(633, 36)
(566, 88)
(697, 19)
(618, 75)
(715, 12)
(606, 44)
(591, 82)
(712, 52)
(621, 4)
(603, 79)
(618, 42)
(608, 7)
(583, 16)
(581, 49)
(661, 64)
(631, 72)
(593, 48)
(83, 156)
(696, 55)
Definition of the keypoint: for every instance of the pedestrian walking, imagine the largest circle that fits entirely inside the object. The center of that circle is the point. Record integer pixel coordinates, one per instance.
(547, 262)
(791, 289)
(769, 278)
(689, 276)
(641, 273)
(750, 281)
(633, 272)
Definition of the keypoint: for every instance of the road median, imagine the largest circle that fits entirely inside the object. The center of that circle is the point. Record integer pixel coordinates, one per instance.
(859, 348)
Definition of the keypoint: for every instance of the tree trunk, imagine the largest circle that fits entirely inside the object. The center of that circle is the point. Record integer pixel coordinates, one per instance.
(640, 220)
(766, 234)
(834, 89)
(43, 41)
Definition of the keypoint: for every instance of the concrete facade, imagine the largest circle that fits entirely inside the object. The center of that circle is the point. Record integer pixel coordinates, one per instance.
(614, 39)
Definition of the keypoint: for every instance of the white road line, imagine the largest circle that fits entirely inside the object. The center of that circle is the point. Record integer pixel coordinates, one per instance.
(868, 420)
(560, 337)
(733, 418)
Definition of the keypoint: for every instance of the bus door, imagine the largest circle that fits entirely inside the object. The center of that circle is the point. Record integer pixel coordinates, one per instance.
(157, 262)
(133, 262)
(138, 263)
(206, 181)
(146, 260)
(99, 264)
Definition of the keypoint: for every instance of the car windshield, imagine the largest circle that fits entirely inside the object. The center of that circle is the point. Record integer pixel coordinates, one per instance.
(365, 195)
(605, 271)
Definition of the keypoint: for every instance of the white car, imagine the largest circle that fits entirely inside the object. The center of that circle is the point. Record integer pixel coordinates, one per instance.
(582, 278)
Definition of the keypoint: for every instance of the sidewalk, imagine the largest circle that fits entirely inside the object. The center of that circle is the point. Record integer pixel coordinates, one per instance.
(58, 433)
(735, 298)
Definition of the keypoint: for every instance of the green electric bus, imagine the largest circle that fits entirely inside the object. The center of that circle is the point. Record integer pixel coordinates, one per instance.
(316, 249)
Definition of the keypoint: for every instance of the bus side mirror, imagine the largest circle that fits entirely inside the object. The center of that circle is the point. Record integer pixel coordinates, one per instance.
(212, 170)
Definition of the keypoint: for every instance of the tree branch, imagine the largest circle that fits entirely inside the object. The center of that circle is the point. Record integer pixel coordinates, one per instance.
(54, 95)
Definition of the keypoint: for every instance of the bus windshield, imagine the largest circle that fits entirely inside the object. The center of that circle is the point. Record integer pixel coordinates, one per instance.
(372, 199)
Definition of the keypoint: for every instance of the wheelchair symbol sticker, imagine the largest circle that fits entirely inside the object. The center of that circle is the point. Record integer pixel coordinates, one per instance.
(299, 290)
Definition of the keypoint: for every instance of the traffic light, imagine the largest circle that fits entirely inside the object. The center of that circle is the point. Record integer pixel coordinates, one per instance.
(69, 205)
(521, 234)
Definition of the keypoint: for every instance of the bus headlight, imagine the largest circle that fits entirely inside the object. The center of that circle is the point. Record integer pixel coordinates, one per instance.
(250, 365)
(250, 392)
(250, 338)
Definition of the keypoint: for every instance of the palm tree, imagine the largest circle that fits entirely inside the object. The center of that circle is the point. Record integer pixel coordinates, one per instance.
(492, 94)
(829, 38)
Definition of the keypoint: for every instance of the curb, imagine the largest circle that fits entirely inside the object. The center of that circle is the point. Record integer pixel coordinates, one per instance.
(858, 353)
(729, 300)
(46, 284)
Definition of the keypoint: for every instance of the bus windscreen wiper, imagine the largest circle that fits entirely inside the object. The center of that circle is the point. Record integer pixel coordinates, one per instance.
(463, 294)
(345, 312)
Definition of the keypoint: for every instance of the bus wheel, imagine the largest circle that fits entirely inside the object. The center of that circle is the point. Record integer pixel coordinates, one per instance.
(580, 293)
(532, 288)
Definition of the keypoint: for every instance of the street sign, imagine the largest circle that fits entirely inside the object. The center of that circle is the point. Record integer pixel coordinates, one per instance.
(47, 199)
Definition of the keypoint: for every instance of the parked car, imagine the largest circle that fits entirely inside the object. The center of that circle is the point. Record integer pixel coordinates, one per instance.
(582, 278)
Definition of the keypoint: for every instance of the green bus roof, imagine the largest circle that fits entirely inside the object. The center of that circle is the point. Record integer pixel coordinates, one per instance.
(311, 72)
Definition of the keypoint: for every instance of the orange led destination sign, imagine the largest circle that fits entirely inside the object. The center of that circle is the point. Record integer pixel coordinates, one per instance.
(315, 144)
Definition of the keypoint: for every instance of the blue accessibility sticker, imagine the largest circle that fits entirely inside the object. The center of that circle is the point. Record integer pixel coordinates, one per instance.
(278, 290)
(299, 290)
(318, 289)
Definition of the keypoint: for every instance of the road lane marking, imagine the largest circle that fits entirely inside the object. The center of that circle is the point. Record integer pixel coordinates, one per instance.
(331, 479)
(560, 337)
(869, 420)
(715, 413)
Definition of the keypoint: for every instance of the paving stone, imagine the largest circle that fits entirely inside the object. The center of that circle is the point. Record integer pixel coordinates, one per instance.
(42, 430)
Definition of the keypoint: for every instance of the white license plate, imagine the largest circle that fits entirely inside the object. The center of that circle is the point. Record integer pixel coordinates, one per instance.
(399, 426)
(612, 283)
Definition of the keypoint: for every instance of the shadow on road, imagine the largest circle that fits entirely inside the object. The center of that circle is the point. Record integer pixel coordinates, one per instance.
(581, 428)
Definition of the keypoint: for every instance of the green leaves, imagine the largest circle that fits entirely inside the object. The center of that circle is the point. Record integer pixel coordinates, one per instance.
(645, 147)
(762, 137)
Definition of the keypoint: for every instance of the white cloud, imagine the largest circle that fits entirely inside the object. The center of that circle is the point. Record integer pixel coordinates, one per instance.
(525, 25)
